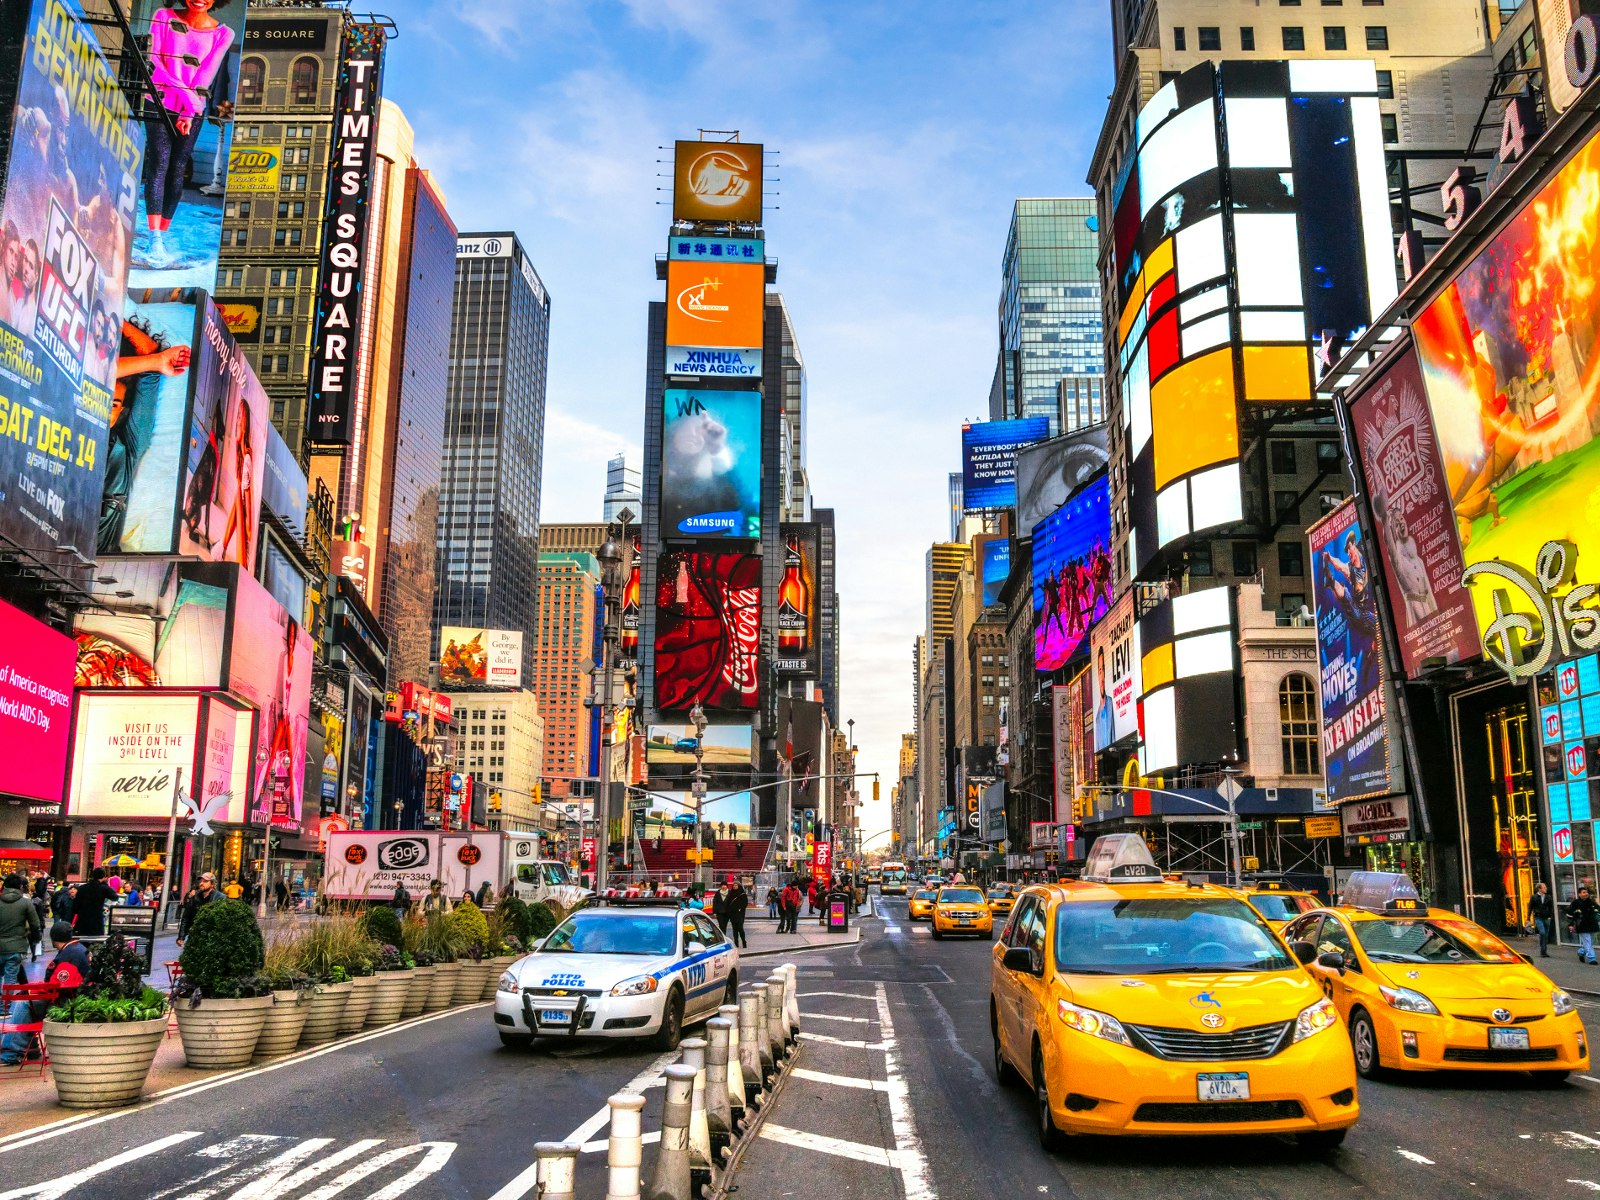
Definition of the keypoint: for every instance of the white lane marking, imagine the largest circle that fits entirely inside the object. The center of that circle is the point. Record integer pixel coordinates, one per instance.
(912, 1162)
(859, 1151)
(224, 1152)
(435, 1155)
(847, 1042)
(645, 1139)
(1582, 1137)
(840, 995)
(528, 1179)
(1586, 1183)
(262, 1179)
(849, 1081)
(1413, 1156)
(1590, 1078)
(279, 1182)
(891, 929)
(52, 1189)
(816, 1016)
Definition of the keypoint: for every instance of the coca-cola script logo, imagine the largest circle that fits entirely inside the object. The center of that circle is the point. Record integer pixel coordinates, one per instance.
(739, 670)
(402, 854)
(469, 856)
(355, 855)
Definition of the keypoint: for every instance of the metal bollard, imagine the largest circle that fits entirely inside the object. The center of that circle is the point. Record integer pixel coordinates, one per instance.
(624, 1149)
(672, 1179)
(750, 1046)
(558, 1169)
(694, 1055)
(791, 999)
(736, 1096)
(763, 1037)
(719, 1113)
(777, 1022)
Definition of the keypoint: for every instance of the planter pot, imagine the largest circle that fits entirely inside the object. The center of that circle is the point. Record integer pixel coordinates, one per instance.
(221, 1034)
(359, 1001)
(469, 983)
(388, 997)
(417, 994)
(327, 1013)
(444, 986)
(102, 1066)
(285, 1019)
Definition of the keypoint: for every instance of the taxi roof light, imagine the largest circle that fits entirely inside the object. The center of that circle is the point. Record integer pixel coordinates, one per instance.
(1382, 892)
(1120, 856)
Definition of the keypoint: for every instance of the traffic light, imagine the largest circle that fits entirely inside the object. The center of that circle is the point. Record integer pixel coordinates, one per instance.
(874, 789)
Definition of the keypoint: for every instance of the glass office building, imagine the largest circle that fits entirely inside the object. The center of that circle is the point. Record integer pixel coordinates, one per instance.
(1050, 322)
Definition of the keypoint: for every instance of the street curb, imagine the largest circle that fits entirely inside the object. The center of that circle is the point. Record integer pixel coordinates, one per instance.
(752, 1130)
(799, 949)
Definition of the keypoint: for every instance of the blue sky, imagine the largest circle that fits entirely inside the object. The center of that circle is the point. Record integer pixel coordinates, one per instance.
(903, 132)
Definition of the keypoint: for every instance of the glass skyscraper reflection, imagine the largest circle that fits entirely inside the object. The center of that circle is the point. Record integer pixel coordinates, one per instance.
(488, 532)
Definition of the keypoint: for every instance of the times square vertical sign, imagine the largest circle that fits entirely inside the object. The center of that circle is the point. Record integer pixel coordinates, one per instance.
(340, 296)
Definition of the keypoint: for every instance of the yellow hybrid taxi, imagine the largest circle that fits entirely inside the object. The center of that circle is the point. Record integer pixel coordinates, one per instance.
(1134, 1005)
(1002, 897)
(1425, 989)
(961, 908)
(921, 905)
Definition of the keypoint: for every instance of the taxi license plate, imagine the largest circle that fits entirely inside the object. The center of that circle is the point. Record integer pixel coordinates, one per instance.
(1227, 1085)
(555, 1016)
(1508, 1039)
(964, 920)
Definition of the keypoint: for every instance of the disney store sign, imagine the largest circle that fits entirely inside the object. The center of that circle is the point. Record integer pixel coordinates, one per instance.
(1552, 620)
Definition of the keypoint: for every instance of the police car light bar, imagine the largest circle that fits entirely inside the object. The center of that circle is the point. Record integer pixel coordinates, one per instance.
(1382, 892)
(1120, 856)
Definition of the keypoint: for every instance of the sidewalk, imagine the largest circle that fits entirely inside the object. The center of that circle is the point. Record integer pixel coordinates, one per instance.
(762, 933)
(1563, 967)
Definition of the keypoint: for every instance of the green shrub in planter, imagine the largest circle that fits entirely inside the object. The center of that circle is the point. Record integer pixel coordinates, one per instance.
(538, 922)
(468, 930)
(223, 955)
(513, 912)
(383, 925)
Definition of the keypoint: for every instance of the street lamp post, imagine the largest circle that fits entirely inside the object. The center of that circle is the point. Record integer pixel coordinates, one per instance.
(697, 789)
(266, 837)
(613, 555)
(1230, 791)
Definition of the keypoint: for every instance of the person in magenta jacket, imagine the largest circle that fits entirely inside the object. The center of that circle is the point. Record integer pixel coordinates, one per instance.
(188, 46)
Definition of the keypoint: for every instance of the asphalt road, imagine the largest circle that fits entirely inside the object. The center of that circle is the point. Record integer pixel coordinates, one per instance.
(895, 1096)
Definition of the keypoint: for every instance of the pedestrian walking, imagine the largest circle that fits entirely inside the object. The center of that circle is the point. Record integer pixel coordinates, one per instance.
(1542, 909)
(719, 908)
(1583, 919)
(234, 889)
(41, 909)
(19, 926)
(204, 893)
(401, 900)
(787, 923)
(280, 891)
(61, 902)
(772, 903)
(89, 905)
(738, 905)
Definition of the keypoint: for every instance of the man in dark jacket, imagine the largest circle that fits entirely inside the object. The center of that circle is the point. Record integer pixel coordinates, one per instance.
(89, 905)
(203, 895)
(1583, 919)
(737, 904)
(61, 902)
(67, 971)
(1543, 911)
(19, 926)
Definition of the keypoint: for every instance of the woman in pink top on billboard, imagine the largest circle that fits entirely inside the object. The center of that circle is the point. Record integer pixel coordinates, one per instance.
(188, 46)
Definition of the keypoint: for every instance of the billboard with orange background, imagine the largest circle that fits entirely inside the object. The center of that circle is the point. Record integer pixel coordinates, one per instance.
(715, 305)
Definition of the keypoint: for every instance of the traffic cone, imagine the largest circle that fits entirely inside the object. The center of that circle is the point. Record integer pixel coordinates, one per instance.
(777, 1022)
(750, 1066)
(736, 1094)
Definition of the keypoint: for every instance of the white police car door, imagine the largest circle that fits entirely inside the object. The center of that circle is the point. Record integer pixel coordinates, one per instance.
(707, 953)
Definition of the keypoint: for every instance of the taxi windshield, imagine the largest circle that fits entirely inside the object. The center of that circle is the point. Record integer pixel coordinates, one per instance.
(999, 893)
(923, 894)
(614, 933)
(1446, 942)
(960, 896)
(1164, 937)
(1279, 906)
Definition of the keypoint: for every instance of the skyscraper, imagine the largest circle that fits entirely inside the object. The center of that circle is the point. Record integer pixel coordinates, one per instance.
(622, 489)
(569, 586)
(488, 534)
(1049, 308)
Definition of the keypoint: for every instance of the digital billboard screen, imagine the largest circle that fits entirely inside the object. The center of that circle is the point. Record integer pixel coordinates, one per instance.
(717, 182)
(1507, 353)
(132, 650)
(799, 644)
(1114, 674)
(1050, 471)
(708, 631)
(479, 657)
(994, 566)
(989, 460)
(70, 160)
(674, 746)
(35, 706)
(127, 752)
(711, 463)
(715, 305)
(1072, 577)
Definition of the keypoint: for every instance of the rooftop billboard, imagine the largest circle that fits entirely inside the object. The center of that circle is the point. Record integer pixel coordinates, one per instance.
(717, 182)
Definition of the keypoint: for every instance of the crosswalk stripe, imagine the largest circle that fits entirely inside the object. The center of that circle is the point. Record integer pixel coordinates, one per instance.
(847, 1042)
(859, 1151)
(849, 1081)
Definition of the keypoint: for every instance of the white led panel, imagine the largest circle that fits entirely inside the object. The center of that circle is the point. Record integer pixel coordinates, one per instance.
(1215, 495)
(1159, 107)
(1207, 301)
(1333, 75)
(1200, 254)
(1204, 654)
(1202, 335)
(1172, 513)
(1372, 181)
(1273, 326)
(1184, 147)
(1160, 730)
(1258, 132)
(1193, 612)
(1136, 400)
(1267, 250)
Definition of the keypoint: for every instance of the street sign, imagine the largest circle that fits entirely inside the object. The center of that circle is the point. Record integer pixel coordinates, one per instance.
(1245, 826)
(1229, 789)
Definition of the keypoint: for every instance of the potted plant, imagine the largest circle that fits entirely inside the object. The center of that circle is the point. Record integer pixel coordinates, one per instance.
(323, 950)
(290, 986)
(365, 980)
(103, 1039)
(504, 946)
(439, 942)
(223, 998)
(470, 932)
(393, 973)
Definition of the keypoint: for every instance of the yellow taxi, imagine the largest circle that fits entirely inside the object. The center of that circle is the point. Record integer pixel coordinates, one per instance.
(1133, 1005)
(1002, 897)
(1277, 904)
(1426, 989)
(961, 908)
(921, 905)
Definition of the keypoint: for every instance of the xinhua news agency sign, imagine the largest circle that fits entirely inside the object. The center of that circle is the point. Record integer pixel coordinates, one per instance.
(339, 298)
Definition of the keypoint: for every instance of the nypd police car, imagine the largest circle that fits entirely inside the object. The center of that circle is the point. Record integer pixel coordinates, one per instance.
(619, 973)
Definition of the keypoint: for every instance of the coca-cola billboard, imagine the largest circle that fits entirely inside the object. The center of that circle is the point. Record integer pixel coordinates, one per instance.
(708, 631)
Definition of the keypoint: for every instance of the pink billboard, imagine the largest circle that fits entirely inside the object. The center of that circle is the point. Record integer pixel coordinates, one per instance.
(36, 665)
(269, 664)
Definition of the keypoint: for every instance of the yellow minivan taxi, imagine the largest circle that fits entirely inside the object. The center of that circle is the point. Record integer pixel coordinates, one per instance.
(1133, 1005)
(1002, 896)
(1426, 989)
(961, 908)
(921, 904)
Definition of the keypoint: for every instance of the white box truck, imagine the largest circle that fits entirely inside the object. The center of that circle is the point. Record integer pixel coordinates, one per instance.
(367, 865)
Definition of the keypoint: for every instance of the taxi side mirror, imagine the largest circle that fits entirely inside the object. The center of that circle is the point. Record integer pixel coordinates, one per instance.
(1304, 952)
(1019, 958)
(1332, 961)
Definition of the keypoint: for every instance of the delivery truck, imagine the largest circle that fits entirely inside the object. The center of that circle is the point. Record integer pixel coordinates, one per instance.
(367, 866)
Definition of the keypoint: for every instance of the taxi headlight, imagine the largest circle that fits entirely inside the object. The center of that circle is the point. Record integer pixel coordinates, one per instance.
(1319, 1016)
(1095, 1024)
(508, 983)
(1563, 1003)
(639, 986)
(1407, 1000)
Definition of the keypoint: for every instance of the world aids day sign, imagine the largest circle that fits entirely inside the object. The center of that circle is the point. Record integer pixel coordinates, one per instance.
(36, 666)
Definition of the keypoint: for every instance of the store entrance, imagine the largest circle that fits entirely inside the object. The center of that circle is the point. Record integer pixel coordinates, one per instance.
(1496, 763)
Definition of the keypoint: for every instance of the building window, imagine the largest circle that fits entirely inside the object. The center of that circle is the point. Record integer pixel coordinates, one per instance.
(1210, 37)
(1283, 458)
(1391, 129)
(1377, 37)
(1298, 725)
(1200, 558)
(1333, 37)
(1294, 37)
(1247, 38)
(1177, 44)
(1291, 559)
(1244, 559)
(1328, 501)
(303, 81)
(1327, 455)
(230, 277)
(1386, 85)
(1285, 505)
(252, 80)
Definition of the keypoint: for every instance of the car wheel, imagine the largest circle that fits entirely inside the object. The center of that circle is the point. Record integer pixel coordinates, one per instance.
(1550, 1079)
(1050, 1139)
(1321, 1141)
(937, 935)
(671, 1022)
(516, 1041)
(730, 994)
(1364, 1042)
(1004, 1073)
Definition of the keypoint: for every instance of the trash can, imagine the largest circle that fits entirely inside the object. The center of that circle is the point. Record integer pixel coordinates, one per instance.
(838, 912)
